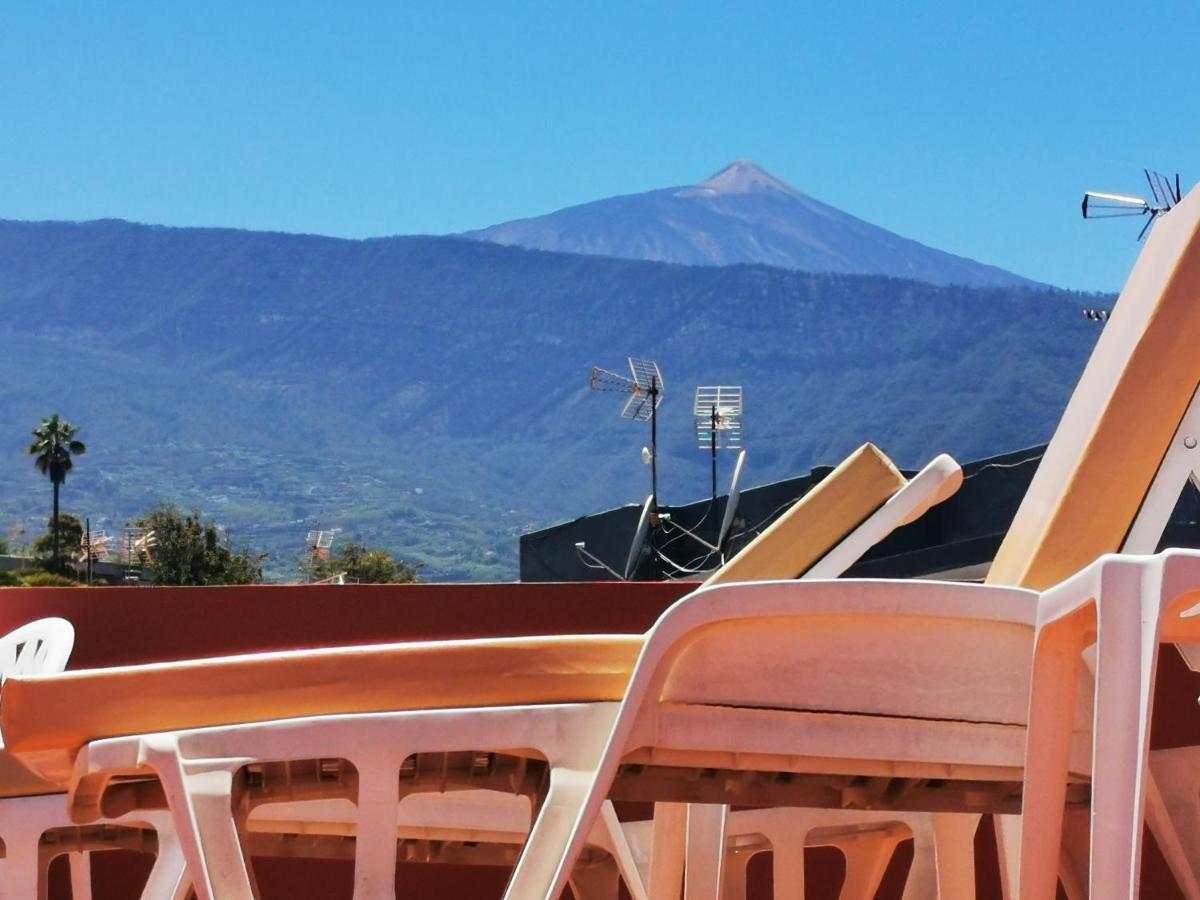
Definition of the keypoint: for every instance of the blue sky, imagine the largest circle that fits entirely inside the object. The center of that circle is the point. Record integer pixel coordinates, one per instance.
(972, 127)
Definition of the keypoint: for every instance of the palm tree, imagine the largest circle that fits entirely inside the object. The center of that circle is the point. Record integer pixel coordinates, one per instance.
(52, 449)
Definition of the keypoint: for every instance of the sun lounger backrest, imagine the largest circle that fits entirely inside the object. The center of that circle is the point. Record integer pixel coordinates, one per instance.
(1119, 423)
(816, 523)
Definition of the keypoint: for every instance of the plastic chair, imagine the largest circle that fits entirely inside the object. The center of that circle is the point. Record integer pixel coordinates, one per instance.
(1126, 446)
(774, 553)
(31, 807)
(728, 682)
(866, 839)
(197, 766)
(471, 827)
(39, 648)
(1126, 606)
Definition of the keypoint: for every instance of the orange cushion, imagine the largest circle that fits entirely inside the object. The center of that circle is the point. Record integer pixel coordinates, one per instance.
(18, 781)
(818, 521)
(46, 719)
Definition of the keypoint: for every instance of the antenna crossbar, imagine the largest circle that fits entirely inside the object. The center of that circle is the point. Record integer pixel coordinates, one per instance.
(604, 380)
(1097, 205)
(718, 413)
(645, 389)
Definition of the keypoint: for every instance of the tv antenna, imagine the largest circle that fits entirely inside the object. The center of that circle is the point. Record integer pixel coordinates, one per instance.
(317, 546)
(1112, 206)
(718, 412)
(645, 389)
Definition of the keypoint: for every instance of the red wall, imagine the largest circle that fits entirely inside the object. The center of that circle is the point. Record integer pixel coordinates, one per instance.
(122, 625)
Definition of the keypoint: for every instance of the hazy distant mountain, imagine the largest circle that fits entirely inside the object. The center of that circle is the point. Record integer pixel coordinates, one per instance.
(430, 394)
(741, 215)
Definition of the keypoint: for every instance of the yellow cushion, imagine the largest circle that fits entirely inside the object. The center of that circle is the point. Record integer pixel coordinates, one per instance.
(46, 719)
(818, 521)
(1121, 418)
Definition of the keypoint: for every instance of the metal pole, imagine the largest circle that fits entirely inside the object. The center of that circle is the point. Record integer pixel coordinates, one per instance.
(88, 565)
(713, 438)
(654, 440)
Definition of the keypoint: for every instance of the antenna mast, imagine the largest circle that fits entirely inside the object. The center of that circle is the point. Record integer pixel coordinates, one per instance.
(645, 388)
(718, 414)
(317, 545)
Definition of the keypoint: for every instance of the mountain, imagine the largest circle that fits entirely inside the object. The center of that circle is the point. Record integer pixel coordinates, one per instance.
(430, 394)
(742, 214)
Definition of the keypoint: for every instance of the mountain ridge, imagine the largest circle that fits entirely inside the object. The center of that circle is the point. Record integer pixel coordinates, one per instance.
(429, 394)
(741, 214)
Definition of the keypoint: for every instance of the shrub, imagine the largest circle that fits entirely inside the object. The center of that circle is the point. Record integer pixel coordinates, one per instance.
(47, 579)
(8, 579)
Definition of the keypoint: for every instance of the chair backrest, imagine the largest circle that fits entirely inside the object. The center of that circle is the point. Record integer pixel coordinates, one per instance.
(879, 647)
(39, 648)
(1120, 421)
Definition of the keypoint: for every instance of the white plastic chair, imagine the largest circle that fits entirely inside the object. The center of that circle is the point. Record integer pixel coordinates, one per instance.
(770, 557)
(1126, 606)
(943, 849)
(727, 681)
(930, 486)
(196, 767)
(39, 648)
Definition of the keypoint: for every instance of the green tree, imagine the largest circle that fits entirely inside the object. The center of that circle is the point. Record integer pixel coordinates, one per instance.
(70, 537)
(186, 550)
(365, 566)
(52, 450)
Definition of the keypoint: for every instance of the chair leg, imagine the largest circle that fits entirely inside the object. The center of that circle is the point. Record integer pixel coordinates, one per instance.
(81, 875)
(1127, 651)
(1072, 874)
(1053, 688)
(21, 873)
(375, 830)
(667, 850)
(622, 852)
(787, 863)
(1008, 854)
(922, 883)
(168, 879)
(867, 859)
(1179, 852)
(705, 851)
(564, 821)
(955, 849)
(200, 796)
(734, 884)
(598, 881)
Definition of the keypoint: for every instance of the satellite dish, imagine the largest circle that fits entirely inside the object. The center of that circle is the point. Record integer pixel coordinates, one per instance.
(647, 456)
(731, 503)
(639, 539)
